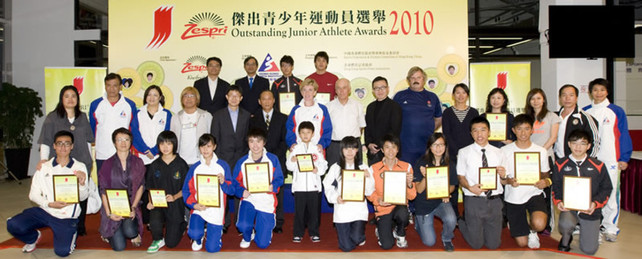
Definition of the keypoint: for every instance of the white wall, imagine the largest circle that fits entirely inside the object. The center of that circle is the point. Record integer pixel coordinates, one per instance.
(41, 34)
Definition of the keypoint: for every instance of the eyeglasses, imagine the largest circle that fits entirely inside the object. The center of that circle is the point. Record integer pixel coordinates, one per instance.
(579, 143)
(123, 140)
(63, 144)
(438, 145)
(380, 88)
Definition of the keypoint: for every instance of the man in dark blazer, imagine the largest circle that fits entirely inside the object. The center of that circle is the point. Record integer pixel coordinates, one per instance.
(230, 126)
(275, 141)
(383, 116)
(252, 85)
(212, 84)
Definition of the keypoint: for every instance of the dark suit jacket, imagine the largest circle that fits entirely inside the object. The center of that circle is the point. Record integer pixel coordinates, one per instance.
(219, 101)
(250, 100)
(275, 134)
(230, 145)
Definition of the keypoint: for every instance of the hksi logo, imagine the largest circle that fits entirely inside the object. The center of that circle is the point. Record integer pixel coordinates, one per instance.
(162, 26)
(502, 80)
(217, 28)
(194, 64)
(79, 83)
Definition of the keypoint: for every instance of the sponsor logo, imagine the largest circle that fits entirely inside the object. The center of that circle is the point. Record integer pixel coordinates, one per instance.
(502, 79)
(567, 168)
(204, 24)
(194, 64)
(79, 82)
(269, 69)
(162, 27)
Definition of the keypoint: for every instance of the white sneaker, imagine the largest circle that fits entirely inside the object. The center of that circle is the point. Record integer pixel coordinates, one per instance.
(600, 240)
(196, 246)
(362, 243)
(401, 241)
(28, 248)
(577, 230)
(610, 237)
(533, 240)
(246, 244)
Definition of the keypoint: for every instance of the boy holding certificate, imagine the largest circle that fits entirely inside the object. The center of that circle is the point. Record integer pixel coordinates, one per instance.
(345, 181)
(164, 180)
(392, 218)
(205, 190)
(481, 177)
(581, 188)
(307, 165)
(52, 212)
(257, 179)
(527, 170)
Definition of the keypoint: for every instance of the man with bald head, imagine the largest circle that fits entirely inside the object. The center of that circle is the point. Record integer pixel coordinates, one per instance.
(347, 118)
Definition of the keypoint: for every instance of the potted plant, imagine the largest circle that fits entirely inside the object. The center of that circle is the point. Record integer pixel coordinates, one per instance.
(19, 108)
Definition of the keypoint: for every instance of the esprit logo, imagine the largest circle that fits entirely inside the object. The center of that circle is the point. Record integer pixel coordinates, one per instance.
(162, 26)
(502, 80)
(217, 27)
(194, 64)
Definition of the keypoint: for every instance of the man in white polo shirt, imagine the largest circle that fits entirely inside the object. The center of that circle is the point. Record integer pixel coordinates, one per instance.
(347, 119)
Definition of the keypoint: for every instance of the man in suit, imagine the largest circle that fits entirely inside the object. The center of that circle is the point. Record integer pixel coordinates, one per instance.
(211, 88)
(273, 122)
(252, 85)
(230, 126)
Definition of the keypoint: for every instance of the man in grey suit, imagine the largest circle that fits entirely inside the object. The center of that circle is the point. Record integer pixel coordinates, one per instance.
(230, 126)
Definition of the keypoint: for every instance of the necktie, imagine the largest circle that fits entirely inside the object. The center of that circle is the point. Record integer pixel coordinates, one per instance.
(267, 121)
(251, 81)
(485, 164)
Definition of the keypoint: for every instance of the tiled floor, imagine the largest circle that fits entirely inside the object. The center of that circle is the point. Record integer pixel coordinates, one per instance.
(14, 198)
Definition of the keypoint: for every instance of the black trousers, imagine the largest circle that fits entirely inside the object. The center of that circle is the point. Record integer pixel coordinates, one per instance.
(173, 219)
(279, 209)
(397, 221)
(307, 211)
(228, 214)
(83, 214)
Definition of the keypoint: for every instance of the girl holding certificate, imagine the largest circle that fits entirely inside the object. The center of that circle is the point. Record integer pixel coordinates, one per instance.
(350, 216)
(166, 176)
(389, 215)
(500, 118)
(205, 197)
(433, 192)
(122, 171)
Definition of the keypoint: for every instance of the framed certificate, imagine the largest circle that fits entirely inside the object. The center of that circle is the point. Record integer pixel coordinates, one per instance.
(488, 178)
(437, 182)
(157, 198)
(527, 167)
(286, 102)
(577, 192)
(497, 126)
(258, 177)
(353, 185)
(394, 187)
(118, 202)
(208, 190)
(322, 98)
(65, 188)
(305, 163)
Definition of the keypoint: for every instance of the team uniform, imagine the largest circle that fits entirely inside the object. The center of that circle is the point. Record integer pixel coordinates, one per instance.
(320, 118)
(578, 119)
(170, 178)
(600, 189)
(419, 110)
(145, 128)
(104, 118)
(394, 215)
(306, 187)
(285, 84)
(615, 146)
(256, 216)
(212, 217)
(350, 217)
(483, 213)
(326, 82)
(62, 222)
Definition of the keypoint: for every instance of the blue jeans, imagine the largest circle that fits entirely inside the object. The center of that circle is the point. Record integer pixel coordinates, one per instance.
(128, 229)
(425, 228)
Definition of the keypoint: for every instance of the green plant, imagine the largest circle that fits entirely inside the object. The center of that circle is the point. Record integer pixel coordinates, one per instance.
(19, 108)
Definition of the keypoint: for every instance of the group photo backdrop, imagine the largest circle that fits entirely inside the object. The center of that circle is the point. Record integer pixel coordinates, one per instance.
(166, 43)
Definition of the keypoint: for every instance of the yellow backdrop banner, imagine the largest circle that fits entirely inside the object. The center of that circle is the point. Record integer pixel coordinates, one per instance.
(166, 43)
(514, 78)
